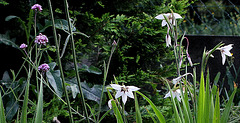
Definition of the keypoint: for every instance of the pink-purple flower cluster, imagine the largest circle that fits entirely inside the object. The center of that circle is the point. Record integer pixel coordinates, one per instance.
(37, 6)
(41, 39)
(23, 46)
(43, 67)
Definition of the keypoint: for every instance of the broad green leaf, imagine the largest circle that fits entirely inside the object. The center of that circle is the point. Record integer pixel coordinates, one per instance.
(59, 24)
(52, 65)
(55, 81)
(225, 115)
(157, 112)
(5, 39)
(10, 17)
(90, 69)
(39, 110)
(93, 93)
(94, 70)
(12, 107)
(2, 115)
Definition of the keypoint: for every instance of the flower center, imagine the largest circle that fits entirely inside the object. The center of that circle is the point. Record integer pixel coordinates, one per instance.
(124, 89)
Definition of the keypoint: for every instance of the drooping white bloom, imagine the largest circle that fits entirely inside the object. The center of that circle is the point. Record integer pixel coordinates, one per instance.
(170, 16)
(124, 91)
(176, 80)
(168, 40)
(176, 93)
(225, 51)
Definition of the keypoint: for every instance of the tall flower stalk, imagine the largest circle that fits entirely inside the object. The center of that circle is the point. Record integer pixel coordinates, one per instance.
(106, 68)
(59, 63)
(75, 60)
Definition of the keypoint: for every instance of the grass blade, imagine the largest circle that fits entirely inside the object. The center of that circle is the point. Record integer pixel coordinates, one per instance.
(201, 98)
(207, 99)
(104, 115)
(115, 109)
(138, 114)
(216, 116)
(25, 105)
(226, 112)
(157, 112)
(39, 110)
(2, 114)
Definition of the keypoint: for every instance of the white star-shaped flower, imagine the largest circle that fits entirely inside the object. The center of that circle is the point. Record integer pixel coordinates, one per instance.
(176, 93)
(124, 91)
(225, 51)
(170, 16)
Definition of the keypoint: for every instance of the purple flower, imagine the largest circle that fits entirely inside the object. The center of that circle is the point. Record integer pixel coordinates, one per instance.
(41, 39)
(43, 67)
(37, 6)
(23, 46)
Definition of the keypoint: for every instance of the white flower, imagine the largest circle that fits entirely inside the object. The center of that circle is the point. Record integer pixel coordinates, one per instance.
(176, 93)
(176, 80)
(170, 16)
(124, 91)
(225, 50)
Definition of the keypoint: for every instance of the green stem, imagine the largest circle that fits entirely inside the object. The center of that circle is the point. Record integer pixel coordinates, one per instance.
(36, 50)
(59, 62)
(75, 60)
(104, 79)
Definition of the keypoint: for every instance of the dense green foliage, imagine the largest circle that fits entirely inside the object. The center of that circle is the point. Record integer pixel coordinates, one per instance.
(141, 57)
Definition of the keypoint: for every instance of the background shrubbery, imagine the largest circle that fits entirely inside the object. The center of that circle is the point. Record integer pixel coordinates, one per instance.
(141, 58)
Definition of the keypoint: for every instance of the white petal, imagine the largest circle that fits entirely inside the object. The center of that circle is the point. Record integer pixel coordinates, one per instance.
(124, 98)
(129, 94)
(228, 47)
(164, 22)
(189, 60)
(211, 55)
(178, 98)
(116, 86)
(168, 40)
(132, 88)
(176, 80)
(161, 17)
(118, 94)
(110, 103)
(174, 94)
(172, 21)
(223, 58)
(227, 52)
(176, 15)
(167, 95)
(178, 91)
